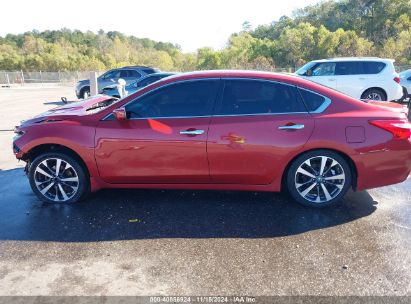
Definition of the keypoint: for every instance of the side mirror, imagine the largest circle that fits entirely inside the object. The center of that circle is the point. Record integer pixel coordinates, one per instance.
(120, 114)
(309, 73)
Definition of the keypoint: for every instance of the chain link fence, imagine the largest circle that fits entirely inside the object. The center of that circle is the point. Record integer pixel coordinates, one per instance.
(69, 78)
(21, 78)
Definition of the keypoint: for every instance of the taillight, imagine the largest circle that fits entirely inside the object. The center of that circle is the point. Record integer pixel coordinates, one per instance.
(397, 79)
(399, 128)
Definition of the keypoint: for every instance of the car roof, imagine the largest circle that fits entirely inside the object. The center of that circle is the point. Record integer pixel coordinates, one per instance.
(251, 74)
(160, 74)
(356, 59)
(231, 73)
(136, 67)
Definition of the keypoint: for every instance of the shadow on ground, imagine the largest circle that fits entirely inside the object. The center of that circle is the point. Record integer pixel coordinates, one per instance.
(147, 214)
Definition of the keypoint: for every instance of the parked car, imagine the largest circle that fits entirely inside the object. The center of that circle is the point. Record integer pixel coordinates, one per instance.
(405, 81)
(112, 90)
(129, 74)
(233, 130)
(361, 78)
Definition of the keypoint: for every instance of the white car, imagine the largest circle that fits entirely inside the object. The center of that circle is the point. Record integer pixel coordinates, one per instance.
(361, 78)
(406, 82)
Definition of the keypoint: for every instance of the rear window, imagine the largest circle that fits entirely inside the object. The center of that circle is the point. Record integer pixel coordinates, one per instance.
(372, 67)
(312, 100)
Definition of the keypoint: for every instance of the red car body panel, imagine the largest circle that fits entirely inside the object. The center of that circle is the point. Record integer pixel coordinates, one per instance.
(243, 149)
(235, 152)
(152, 151)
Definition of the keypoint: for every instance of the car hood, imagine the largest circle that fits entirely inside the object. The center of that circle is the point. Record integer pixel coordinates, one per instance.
(110, 87)
(79, 108)
(84, 81)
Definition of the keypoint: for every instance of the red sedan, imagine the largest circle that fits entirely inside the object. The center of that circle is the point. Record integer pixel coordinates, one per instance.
(234, 130)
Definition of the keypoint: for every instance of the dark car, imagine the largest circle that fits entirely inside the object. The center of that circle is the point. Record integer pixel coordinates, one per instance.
(231, 130)
(129, 74)
(112, 90)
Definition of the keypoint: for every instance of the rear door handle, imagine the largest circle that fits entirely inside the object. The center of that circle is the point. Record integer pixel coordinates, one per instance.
(192, 132)
(291, 127)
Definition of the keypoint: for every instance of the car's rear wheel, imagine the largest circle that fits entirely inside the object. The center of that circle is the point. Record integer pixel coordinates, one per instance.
(319, 178)
(374, 94)
(58, 178)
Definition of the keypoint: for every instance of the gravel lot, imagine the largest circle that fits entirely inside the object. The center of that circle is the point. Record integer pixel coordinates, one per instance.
(147, 242)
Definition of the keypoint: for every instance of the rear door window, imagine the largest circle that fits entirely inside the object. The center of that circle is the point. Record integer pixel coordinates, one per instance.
(349, 68)
(242, 97)
(129, 74)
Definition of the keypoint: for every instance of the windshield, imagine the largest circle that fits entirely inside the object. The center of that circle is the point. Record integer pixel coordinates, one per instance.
(405, 74)
(301, 71)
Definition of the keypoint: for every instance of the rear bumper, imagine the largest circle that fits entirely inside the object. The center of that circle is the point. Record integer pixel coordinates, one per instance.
(395, 92)
(382, 168)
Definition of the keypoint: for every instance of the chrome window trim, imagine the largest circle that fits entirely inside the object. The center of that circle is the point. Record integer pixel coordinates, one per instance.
(211, 116)
(327, 101)
(161, 87)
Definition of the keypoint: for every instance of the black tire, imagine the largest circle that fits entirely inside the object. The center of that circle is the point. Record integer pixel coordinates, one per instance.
(77, 171)
(293, 178)
(376, 92)
(404, 95)
(85, 92)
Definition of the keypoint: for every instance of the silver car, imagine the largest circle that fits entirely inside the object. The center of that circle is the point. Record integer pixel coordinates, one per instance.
(405, 81)
(129, 74)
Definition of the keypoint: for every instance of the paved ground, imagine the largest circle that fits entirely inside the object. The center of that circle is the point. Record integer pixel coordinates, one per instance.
(145, 242)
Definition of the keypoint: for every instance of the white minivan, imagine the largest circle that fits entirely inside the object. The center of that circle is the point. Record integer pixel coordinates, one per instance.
(361, 78)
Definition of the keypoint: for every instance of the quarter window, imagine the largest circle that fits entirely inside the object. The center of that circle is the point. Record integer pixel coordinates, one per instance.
(259, 97)
(372, 67)
(312, 101)
(191, 98)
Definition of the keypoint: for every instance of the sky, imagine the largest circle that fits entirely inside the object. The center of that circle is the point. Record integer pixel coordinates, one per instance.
(190, 23)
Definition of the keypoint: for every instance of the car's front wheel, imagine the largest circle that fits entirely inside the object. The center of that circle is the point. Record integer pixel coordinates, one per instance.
(85, 93)
(58, 178)
(319, 178)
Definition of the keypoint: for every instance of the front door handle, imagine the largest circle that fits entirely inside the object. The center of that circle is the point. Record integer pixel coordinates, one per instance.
(291, 127)
(192, 132)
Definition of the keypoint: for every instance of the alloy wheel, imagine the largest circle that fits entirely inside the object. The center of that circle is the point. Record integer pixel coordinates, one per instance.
(56, 179)
(320, 179)
(374, 96)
